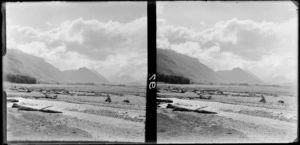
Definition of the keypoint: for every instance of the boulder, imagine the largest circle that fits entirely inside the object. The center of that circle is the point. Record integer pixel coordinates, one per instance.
(263, 100)
(108, 99)
(126, 101)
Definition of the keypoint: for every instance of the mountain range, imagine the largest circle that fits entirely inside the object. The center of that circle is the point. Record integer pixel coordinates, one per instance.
(19, 63)
(170, 62)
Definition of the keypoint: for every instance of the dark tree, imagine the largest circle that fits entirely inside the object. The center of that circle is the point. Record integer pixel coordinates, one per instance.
(23, 79)
(172, 79)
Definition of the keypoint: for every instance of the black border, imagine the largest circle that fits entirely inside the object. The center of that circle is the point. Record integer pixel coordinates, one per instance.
(3, 98)
(150, 134)
(150, 127)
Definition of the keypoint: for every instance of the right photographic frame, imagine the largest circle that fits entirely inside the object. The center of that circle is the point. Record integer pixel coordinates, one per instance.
(227, 72)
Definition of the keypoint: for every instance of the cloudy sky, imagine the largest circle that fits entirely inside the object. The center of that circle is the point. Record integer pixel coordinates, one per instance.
(109, 37)
(257, 36)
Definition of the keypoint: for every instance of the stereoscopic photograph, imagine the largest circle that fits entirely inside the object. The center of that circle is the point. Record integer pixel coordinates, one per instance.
(75, 71)
(227, 72)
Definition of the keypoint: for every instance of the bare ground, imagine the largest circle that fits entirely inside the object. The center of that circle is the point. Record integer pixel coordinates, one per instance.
(84, 118)
(239, 120)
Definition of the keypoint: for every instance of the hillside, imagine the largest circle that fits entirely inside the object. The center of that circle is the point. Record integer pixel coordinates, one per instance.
(17, 62)
(170, 62)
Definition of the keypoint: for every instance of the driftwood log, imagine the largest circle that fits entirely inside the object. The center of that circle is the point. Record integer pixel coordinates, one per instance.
(20, 107)
(198, 110)
(126, 101)
(12, 100)
(164, 100)
(280, 101)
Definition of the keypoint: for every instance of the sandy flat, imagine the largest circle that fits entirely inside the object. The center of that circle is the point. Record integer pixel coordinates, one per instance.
(84, 118)
(238, 120)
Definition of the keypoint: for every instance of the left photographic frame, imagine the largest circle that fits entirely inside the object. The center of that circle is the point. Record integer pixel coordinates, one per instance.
(75, 71)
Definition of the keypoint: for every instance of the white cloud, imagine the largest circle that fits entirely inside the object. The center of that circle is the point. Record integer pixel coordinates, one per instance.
(108, 47)
(266, 48)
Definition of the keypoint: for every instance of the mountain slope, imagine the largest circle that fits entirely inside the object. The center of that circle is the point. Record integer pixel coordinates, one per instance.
(100, 76)
(83, 75)
(238, 75)
(170, 62)
(19, 63)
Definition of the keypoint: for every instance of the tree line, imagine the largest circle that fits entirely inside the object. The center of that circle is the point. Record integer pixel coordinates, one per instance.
(23, 79)
(172, 79)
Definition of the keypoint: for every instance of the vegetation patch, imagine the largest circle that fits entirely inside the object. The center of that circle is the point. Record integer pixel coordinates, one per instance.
(172, 79)
(23, 79)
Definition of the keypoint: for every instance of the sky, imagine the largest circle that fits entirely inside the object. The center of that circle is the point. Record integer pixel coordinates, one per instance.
(261, 37)
(109, 37)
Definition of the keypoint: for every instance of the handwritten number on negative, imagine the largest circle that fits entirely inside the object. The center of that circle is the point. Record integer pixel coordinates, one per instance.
(152, 83)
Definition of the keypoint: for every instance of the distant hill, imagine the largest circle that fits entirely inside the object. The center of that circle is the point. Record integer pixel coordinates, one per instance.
(170, 62)
(237, 75)
(17, 62)
(278, 80)
(84, 75)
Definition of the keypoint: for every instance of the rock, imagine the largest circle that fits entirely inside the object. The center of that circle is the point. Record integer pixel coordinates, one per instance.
(280, 101)
(108, 99)
(263, 100)
(181, 91)
(126, 101)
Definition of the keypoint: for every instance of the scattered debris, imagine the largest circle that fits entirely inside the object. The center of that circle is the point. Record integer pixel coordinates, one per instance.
(50, 96)
(108, 99)
(207, 97)
(24, 90)
(12, 100)
(245, 95)
(191, 98)
(25, 108)
(198, 110)
(235, 94)
(13, 88)
(181, 91)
